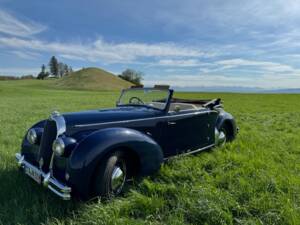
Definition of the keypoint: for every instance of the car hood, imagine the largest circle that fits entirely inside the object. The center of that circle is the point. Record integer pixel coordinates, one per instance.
(108, 115)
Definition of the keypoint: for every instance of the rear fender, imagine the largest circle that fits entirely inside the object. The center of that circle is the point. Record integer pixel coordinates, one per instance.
(228, 119)
(90, 151)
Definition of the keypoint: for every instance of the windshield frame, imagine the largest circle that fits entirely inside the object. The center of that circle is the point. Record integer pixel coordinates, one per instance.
(170, 93)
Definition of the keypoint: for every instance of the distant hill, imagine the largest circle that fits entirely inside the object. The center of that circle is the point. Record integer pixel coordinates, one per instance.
(25, 77)
(92, 79)
(282, 91)
(235, 89)
(220, 89)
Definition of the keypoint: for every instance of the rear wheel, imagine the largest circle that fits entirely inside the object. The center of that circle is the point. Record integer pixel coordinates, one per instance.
(224, 134)
(111, 175)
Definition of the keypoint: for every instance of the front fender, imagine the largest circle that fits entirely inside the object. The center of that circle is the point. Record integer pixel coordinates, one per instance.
(27, 149)
(39, 124)
(88, 154)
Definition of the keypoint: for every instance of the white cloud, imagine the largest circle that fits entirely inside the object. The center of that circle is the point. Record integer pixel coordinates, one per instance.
(179, 62)
(11, 25)
(149, 50)
(72, 57)
(263, 74)
(212, 80)
(235, 16)
(258, 65)
(25, 54)
(100, 50)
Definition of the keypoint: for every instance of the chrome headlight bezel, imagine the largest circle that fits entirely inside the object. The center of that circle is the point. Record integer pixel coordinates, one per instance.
(32, 136)
(58, 146)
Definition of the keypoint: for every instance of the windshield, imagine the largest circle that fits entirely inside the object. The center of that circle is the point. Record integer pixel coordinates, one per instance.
(154, 98)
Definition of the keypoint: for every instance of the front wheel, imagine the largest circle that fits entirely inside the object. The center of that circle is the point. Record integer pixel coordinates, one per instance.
(111, 175)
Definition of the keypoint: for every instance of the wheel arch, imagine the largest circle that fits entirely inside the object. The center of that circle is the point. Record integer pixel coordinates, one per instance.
(230, 130)
(98, 145)
(226, 119)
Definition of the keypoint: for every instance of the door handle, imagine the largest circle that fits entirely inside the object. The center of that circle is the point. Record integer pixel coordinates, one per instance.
(171, 123)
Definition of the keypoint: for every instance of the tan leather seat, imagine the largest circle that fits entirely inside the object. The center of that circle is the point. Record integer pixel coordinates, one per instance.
(181, 106)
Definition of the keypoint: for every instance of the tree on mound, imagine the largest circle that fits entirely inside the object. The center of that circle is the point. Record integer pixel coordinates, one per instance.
(132, 76)
(63, 69)
(53, 65)
(43, 74)
(57, 69)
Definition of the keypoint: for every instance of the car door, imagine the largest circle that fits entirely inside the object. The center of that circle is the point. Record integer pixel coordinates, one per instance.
(188, 131)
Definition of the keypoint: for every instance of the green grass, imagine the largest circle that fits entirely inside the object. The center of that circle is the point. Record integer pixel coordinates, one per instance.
(254, 180)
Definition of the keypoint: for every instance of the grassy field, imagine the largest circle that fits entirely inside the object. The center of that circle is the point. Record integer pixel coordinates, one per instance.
(254, 180)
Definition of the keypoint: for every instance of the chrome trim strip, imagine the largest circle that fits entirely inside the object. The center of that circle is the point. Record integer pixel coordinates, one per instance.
(191, 152)
(143, 119)
(48, 181)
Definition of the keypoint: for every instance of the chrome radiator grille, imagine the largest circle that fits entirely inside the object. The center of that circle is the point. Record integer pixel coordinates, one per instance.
(45, 150)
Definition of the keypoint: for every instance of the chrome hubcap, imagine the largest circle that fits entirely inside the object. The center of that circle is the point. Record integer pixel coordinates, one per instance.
(222, 138)
(117, 179)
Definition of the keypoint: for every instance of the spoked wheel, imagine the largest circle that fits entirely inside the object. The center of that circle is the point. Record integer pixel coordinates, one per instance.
(111, 175)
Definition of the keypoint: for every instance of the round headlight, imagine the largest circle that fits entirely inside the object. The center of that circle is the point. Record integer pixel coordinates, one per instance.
(58, 146)
(32, 136)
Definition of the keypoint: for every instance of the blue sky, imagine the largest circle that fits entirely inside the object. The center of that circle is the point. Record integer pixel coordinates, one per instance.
(188, 43)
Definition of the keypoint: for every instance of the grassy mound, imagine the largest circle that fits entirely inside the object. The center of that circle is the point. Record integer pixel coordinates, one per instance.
(92, 79)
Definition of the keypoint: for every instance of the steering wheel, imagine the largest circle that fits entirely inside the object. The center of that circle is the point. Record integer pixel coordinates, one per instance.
(138, 100)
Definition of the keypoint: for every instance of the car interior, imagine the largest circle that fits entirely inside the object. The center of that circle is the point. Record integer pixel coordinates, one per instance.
(177, 106)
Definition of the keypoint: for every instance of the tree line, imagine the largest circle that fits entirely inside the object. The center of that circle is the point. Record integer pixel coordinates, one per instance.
(25, 77)
(55, 69)
(132, 76)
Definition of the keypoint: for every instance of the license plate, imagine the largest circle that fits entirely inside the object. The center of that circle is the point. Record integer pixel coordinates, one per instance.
(35, 175)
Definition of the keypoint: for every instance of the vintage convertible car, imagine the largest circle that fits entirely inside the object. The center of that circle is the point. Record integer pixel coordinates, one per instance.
(94, 153)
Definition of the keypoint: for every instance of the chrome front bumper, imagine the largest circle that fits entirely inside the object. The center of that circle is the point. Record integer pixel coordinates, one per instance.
(47, 180)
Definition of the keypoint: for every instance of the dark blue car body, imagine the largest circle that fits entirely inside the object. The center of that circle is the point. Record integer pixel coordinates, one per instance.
(148, 135)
